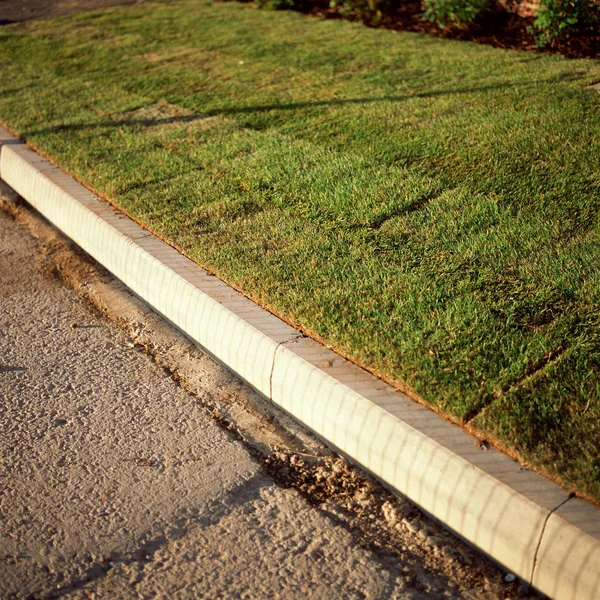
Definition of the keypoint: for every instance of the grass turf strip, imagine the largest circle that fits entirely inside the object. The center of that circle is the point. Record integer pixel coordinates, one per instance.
(428, 207)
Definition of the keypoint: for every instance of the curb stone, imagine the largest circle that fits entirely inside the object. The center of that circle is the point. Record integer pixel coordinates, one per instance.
(525, 522)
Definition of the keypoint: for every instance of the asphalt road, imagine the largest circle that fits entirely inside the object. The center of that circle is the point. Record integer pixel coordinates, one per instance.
(12, 11)
(133, 466)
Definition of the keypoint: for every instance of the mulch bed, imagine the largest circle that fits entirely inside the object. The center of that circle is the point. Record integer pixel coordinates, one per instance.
(498, 28)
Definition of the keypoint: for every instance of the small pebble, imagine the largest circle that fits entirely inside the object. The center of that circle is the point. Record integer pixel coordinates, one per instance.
(409, 526)
(389, 513)
(524, 590)
(510, 578)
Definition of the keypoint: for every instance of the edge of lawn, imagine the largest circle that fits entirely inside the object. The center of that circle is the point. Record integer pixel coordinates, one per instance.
(549, 538)
(485, 435)
(401, 386)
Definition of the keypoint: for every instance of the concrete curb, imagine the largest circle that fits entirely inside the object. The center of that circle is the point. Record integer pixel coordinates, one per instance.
(523, 521)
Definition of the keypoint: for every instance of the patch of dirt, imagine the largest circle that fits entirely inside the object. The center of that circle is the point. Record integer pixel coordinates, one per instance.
(387, 524)
(163, 114)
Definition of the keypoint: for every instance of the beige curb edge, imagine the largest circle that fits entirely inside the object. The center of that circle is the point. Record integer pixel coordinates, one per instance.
(523, 521)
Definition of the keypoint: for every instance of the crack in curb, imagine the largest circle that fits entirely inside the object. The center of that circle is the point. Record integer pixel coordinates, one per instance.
(537, 549)
(280, 345)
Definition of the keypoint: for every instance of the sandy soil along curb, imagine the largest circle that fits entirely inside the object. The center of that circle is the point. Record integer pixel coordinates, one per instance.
(523, 521)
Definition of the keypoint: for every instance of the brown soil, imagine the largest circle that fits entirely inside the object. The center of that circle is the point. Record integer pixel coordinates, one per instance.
(502, 28)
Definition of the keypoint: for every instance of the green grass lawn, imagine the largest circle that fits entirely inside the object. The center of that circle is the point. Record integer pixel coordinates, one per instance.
(430, 208)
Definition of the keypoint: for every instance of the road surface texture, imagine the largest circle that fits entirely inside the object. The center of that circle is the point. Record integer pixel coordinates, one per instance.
(12, 11)
(131, 465)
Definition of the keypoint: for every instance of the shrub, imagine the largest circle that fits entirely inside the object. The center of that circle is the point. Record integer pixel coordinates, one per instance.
(275, 4)
(454, 13)
(561, 18)
(359, 9)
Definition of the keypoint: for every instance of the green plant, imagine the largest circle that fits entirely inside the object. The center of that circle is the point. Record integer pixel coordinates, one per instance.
(560, 18)
(454, 13)
(358, 9)
(275, 4)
